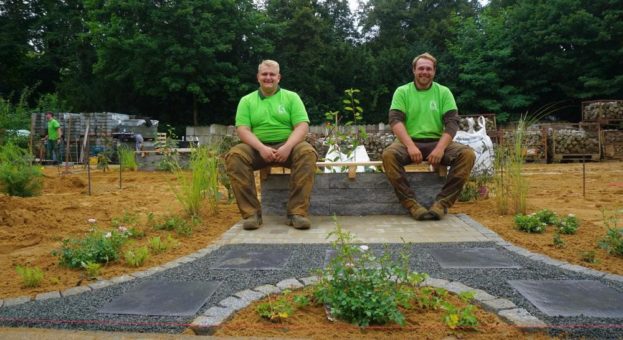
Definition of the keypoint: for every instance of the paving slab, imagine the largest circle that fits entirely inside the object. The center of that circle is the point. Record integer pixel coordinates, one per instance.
(266, 259)
(472, 258)
(366, 229)
(169, 298)
(572, 297)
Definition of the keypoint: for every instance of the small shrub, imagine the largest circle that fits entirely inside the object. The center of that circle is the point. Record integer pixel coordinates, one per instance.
(431, 298)
(468, 193)
(547, 216)
(177, 224)
(92, 269)
(31, 276)
(127, 158)
(277, 310)
(18, 177)
(589, 256)
(158, 246)
(125, 220)
(136, 257)
(557, 241)
(457, 317)
(529, 223)
(568, 224)
(95, 247)
(613, 242)
(364, 289)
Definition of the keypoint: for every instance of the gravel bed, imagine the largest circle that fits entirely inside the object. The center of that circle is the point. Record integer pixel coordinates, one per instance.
(80, 311)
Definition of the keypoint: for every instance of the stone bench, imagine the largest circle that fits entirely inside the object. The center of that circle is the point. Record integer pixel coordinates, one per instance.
(351, 193)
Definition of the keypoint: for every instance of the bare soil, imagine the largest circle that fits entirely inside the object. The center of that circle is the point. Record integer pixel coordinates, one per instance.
(32, 228)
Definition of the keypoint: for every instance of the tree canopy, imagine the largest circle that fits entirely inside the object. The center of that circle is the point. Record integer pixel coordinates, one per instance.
(188, 62)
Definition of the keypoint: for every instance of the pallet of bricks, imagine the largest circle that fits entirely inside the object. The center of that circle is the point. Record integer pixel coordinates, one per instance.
(490, 124)
(574, 142)
(534, 143)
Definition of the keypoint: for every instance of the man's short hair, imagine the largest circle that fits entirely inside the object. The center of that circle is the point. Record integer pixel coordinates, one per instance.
(50, 113)
(424, 56)
(268, 62)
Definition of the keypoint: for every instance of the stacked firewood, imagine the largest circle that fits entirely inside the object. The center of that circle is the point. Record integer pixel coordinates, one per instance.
(603, 110)
(575, 141)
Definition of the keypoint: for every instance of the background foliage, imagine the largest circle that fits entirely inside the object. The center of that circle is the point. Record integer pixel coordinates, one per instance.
(189, 61)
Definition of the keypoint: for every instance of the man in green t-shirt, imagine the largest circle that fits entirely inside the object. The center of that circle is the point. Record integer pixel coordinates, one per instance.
(53, 138)
(272, 124)
(424, 117)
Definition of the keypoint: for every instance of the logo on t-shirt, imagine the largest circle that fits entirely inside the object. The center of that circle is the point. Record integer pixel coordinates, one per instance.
(433, 106)
(281, 109)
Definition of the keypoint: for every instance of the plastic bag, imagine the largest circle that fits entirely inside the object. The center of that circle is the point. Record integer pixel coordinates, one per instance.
(358, 155)
(482, 145)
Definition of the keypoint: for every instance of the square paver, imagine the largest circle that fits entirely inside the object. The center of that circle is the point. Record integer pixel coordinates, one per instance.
(472, 258)
(169, 298)
(267, 259)
(572, 297)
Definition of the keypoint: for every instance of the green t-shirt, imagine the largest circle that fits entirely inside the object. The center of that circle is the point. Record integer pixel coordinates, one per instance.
(273, 118)
(423, 110)
(53, 126)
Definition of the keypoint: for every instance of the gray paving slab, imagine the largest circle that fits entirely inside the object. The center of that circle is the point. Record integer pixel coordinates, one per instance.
(159, 297)
(267, 259)
(572, 297)
(472, 258)
(366, 229)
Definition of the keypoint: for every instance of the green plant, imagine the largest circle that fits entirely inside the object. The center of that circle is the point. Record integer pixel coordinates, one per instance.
(529, 223)
(158, 246)
(347, 138)
(364, 289)
(31, 276)
(127, 158)
(18, 176)
(175, 223)
(125, 220)
(588, 256)
(168, 148)
(510, 187)
(468, 193)
(557, 241)
(203, 182)
(568, 224)
(136, 257)
(457, 317)
(281, 308)
(103, 161)
(547, 216)
(95, 247)
(430, 297)
(613, 242)
(92, 269)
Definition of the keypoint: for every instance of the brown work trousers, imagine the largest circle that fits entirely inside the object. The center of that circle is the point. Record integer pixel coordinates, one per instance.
(242, 160)
(459, 157)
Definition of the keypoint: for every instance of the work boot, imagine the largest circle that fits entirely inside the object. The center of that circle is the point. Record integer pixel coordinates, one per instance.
(299, 222)
(416, 211)
(252, 222)
(437, 211)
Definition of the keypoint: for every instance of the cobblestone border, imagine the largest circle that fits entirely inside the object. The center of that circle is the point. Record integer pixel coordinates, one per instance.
(211, 319)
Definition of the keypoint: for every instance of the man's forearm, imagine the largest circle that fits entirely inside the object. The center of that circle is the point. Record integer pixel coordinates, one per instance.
(248, 137)
(400, 131)
(298, 134)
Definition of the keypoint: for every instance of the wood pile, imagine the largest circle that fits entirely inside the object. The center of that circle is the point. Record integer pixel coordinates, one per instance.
(575, 139)
(603, 111)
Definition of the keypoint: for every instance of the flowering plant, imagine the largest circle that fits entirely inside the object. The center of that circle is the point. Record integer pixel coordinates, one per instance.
(364, 289)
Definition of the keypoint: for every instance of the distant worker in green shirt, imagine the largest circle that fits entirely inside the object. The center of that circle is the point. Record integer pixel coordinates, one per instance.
(424, 117)
(272, 124)
(53, 138)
